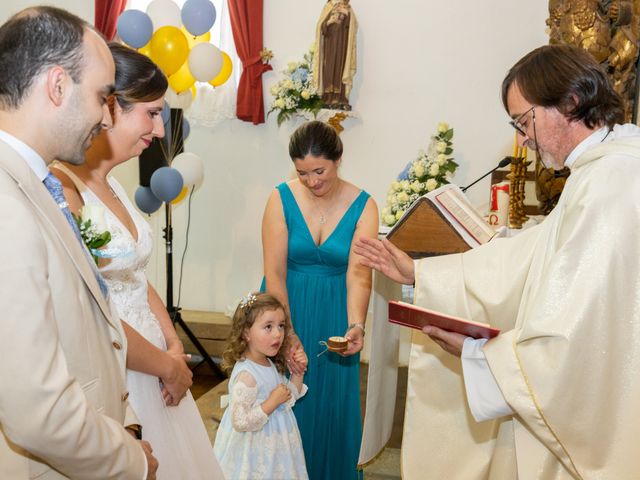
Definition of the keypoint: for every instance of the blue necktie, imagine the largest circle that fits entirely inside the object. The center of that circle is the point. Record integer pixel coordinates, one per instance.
(55, 189)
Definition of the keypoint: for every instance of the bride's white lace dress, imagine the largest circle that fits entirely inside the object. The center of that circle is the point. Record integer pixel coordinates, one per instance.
(177, 434)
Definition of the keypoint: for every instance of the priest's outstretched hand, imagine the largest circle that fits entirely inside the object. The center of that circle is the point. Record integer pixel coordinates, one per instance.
(386, 258)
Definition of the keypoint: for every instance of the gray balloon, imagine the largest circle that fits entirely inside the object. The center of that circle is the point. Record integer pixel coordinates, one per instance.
(135, 28)
(146, 200)
(198, 16)
(166, 183)
(166, 113)
(186, 128)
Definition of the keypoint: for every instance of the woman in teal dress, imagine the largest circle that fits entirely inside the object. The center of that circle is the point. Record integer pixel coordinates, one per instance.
(308, 229)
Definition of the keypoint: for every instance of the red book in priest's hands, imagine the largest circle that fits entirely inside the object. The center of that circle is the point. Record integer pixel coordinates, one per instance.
(418, 317)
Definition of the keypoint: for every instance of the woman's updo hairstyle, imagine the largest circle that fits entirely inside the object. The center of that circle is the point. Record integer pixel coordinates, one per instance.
(138, 79)
(317, 139)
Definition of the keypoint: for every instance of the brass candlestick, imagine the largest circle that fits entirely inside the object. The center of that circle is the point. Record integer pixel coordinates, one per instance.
(517, 179)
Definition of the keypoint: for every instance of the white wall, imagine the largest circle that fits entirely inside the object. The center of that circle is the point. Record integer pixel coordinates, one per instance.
(82, 8)
(418, 63)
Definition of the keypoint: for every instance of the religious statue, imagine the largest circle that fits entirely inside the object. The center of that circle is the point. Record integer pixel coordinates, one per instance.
(335, 59)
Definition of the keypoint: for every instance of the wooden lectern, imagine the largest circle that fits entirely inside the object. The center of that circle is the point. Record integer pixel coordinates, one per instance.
(424, 232)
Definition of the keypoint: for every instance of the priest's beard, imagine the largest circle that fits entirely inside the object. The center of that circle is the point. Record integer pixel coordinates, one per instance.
(544, 157)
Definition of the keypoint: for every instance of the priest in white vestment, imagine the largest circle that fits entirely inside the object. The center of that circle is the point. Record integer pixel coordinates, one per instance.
(557, 394)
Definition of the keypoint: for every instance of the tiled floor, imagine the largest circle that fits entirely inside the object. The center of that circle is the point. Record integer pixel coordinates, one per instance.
(207, 390)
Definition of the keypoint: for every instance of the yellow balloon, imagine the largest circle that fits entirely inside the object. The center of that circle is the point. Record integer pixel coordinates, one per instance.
(225, 71)
(205, 37)
(146, 50)
(182, 80)
(181, 195)
(169, 49)
(194, 90)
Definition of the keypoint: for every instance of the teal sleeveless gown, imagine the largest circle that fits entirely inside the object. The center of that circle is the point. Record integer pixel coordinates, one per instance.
(329, 414)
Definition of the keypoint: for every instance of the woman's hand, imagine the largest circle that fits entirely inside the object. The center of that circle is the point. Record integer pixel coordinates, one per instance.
(294, 346)
(386, 258)
(177, 378)
(296, 367)
(300, 358)
(176, 347)
(355, 337)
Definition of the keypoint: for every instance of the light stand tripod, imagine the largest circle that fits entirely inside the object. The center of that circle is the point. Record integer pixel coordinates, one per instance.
(159, 155)
(174, 312)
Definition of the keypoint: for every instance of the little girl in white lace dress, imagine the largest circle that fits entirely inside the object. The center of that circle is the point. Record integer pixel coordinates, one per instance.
(258, 436)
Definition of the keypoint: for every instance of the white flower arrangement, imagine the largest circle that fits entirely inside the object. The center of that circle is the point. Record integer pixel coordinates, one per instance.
(93, 228)
(296, 90)
(430, 170)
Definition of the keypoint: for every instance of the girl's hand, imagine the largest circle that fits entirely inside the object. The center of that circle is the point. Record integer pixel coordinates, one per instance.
(294, 344)
(280, 395)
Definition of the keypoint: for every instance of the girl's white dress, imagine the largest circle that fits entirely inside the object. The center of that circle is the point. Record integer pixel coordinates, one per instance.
(177, 435)
(251, 445)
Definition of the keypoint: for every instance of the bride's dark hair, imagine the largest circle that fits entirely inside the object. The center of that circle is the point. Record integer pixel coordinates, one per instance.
(246, 313)
(138, 79)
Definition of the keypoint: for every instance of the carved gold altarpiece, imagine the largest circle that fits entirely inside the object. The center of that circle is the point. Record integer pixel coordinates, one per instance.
(609, 30)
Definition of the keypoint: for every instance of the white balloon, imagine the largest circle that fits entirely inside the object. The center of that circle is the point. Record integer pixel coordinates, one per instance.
(181, 100)
(205, 61)
(190, 166)
(163, 13)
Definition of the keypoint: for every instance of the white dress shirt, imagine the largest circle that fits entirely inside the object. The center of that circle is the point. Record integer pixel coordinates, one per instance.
(33, 159)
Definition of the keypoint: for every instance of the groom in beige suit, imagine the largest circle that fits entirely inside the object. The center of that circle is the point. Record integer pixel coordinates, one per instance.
(63, 399)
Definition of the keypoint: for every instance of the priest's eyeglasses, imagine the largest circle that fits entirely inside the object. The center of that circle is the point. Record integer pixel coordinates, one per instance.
(520, 127)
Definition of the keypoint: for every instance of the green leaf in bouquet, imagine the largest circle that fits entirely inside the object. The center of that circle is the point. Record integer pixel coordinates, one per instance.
(448, 135)
(283, 115)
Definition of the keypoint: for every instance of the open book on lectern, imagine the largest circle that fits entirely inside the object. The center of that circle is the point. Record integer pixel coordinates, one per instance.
(440, 222)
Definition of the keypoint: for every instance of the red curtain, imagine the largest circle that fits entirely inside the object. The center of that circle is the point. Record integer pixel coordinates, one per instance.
(106, 16)
(246, 23)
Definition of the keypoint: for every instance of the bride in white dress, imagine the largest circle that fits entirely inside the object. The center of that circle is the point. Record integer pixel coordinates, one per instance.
(158, 390)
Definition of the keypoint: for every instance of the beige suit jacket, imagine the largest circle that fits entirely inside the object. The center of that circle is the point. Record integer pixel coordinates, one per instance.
(63, 397)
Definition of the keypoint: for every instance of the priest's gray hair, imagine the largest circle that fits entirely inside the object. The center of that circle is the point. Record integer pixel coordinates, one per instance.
(567, 78)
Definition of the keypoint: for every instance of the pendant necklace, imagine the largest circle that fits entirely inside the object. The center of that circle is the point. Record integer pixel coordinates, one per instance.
(325, 213)
(110, 190)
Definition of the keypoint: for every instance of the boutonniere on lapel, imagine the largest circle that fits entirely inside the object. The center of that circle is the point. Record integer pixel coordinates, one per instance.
(93, 229)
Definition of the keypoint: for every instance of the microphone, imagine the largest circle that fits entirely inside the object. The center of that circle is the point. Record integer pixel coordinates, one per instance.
(503, 163)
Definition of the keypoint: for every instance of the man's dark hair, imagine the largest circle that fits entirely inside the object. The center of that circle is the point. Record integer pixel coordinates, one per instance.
(569, 79)
(315, 138)
(34, 40)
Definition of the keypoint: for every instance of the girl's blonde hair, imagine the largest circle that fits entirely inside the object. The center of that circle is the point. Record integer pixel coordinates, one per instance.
(246, 313)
